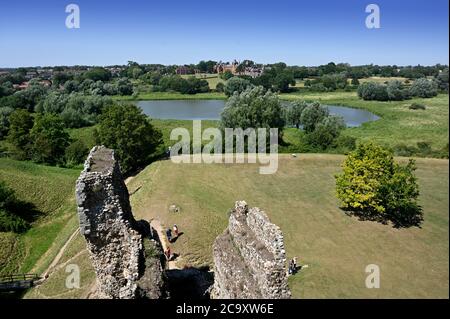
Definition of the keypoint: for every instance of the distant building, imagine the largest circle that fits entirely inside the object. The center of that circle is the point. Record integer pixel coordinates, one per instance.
(237, 69)
(182, 70)
(224, 67)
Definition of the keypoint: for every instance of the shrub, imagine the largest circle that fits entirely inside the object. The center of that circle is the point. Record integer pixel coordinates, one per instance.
(5, 112)
(373, 187)
(395, 91)
(417, 106)
(76, 153)
(373, 91)
(220, 87)
(424, 88)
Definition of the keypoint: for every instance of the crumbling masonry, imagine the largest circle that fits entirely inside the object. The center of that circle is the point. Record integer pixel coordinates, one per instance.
(249, 257)
(114, 238)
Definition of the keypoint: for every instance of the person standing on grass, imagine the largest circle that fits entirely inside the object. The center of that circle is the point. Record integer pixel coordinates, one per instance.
(167, 253)
(169, 234)
(175, 230)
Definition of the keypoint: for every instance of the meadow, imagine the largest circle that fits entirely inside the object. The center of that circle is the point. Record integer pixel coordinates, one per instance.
(300, 199)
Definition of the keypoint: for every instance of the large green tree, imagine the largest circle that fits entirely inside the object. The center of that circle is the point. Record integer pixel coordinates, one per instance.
(48, 139)
(124, 128)
(373, 186)
(253, 108)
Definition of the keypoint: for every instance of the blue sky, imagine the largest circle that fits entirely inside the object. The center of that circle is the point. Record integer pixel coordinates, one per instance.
(297, 32)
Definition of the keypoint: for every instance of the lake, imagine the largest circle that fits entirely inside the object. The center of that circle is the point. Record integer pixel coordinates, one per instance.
(211, 109)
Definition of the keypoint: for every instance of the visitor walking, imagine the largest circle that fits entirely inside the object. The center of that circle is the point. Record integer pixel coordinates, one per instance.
(175, 230)
(168, 253)
(169, 234)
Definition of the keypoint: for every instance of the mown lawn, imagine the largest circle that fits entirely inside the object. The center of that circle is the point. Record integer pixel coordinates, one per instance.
(300, 199)
(51, 190)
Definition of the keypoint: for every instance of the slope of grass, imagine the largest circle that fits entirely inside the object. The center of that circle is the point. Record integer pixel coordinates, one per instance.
(300, 199)
(51, 190)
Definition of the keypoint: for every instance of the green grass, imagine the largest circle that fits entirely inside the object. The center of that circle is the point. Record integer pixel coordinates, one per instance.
(212, 78)
(51, 190)
(300, 199)
(398, 124)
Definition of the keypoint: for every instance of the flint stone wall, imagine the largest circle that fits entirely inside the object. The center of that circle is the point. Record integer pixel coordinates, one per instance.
(114, 238)
(249, 257)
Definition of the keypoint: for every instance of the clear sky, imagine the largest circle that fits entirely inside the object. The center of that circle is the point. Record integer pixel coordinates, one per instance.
(312, 32)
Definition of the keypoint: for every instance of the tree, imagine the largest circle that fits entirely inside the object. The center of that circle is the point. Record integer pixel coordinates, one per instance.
(355, 81)
(395, 91)
(21, 123)
(236, 84)
(424, 88)
(282, 81)
(130, 133)
(442, 80)
(76, 153)
(294, 113)
(5, 112)
(326, 132)
(220, 87)
(98, 74)
(373, 91)
(312, 115)
(124, 87)
(253, 108)
(48, 139)
(374, 187)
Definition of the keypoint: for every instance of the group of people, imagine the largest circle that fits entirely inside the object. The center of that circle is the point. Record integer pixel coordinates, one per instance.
(292, 270)
(171, 234)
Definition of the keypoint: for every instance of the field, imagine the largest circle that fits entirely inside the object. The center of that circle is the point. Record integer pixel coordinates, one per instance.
(398, 124)
(300, 199)
(51, 190)
(212, 79)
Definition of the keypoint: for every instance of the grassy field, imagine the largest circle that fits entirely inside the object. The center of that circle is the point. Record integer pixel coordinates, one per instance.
(398, 124)
(300, 199)
(51, 190)
(212, 79)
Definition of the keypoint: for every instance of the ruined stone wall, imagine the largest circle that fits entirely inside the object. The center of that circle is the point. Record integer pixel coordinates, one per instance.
(249, 257)
(114, 238)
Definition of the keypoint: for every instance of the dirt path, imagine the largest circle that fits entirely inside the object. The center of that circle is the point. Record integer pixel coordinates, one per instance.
(59, 255)
(164, 241)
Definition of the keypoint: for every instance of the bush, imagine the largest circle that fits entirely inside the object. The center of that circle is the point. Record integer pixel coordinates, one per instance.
(220, 87)
(76, 153)
(5, 112)
(424, 88)
(124, 128)
(417, 106)
(395, 91)
(373, 187)
(371, 91)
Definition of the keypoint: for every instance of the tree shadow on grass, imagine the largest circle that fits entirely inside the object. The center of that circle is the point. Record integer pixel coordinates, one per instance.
(402, 218)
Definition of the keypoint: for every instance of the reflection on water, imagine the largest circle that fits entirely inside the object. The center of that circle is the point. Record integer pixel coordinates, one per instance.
(210, 110)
